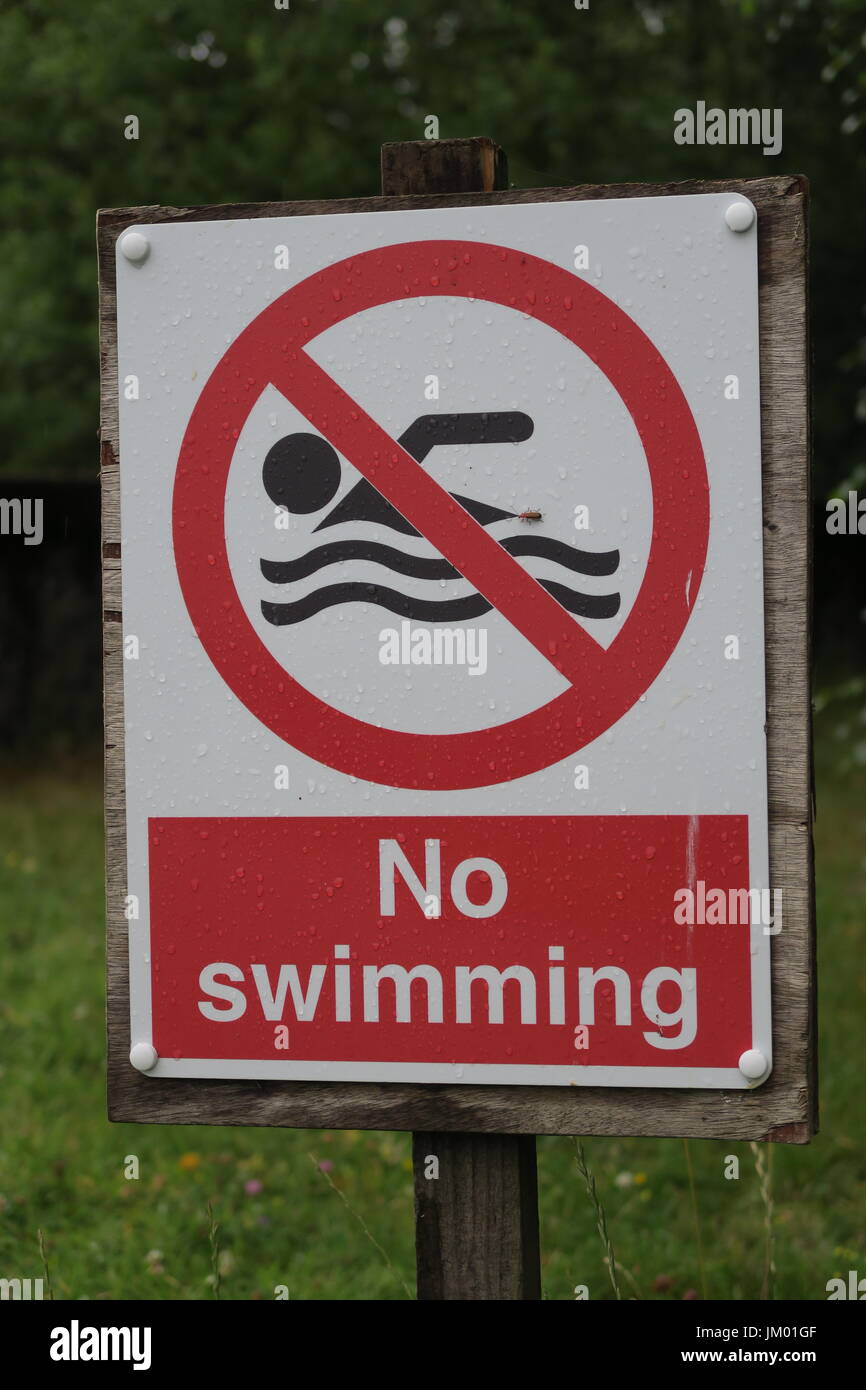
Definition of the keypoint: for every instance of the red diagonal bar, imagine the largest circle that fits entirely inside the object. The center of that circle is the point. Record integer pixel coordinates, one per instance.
(432, 511)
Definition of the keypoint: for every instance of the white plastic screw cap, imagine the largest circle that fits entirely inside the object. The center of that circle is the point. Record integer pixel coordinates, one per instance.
(134, 246)
(753, 1064)
(739, 216)
(144, 1057)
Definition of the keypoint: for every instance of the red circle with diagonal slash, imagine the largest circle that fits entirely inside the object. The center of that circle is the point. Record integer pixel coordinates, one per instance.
(604, 684)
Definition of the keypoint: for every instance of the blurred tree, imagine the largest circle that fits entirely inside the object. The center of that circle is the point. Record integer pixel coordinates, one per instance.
(247, 102)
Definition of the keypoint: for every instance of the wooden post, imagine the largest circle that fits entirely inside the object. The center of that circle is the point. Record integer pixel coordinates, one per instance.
(443, 166)
(476, 1195)
(476, 1216)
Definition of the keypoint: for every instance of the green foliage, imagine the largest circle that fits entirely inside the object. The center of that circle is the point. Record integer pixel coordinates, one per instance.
(247, 102)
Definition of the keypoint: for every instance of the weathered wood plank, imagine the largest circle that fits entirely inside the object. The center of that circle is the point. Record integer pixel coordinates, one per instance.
(476, 1221)
(785, 1107)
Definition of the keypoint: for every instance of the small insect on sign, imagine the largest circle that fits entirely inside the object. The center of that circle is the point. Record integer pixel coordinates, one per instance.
(443, 663)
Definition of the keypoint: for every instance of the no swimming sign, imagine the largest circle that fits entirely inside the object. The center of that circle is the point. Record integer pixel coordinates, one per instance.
(443, 621)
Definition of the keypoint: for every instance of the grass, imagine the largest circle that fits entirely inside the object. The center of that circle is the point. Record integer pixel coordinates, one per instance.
(240, 1212)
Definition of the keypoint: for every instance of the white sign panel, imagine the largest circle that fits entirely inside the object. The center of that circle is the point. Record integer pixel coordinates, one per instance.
(443, 617)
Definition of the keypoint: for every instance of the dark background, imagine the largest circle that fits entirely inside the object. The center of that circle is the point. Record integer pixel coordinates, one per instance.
(239, 102)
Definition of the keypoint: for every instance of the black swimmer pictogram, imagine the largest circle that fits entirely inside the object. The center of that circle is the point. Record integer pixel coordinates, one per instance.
(301, 472)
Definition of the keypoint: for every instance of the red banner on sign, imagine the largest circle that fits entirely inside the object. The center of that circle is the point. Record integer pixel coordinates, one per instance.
(509, 941)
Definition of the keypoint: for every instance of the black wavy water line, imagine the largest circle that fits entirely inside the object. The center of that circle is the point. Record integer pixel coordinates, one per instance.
(581, 561)
(582, 605)
(601, 562)
(433, 611)
(287, 571)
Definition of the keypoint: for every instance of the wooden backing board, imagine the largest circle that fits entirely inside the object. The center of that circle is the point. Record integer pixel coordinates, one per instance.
(785, 1107)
